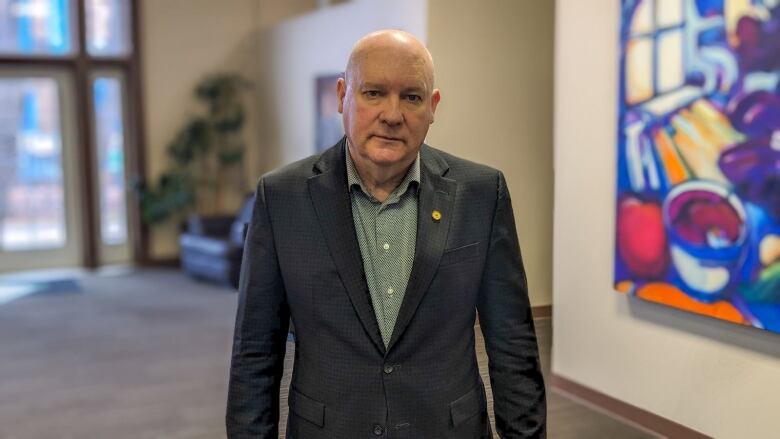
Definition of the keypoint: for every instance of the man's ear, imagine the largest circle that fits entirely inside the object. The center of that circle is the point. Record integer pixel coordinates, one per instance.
(435, 98)
(341, 91)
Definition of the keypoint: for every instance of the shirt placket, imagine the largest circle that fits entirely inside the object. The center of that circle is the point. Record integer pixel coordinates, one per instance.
(384, 248)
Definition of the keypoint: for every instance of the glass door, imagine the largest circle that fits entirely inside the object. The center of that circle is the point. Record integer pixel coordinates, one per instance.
(39, 200)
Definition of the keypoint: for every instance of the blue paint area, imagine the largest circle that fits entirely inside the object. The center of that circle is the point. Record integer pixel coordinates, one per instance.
(710, 8)
(766, 313)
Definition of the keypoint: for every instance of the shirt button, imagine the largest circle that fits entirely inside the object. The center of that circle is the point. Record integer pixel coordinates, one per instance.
(386, 246)
(389, 369)
(390, 291)
(378, 430)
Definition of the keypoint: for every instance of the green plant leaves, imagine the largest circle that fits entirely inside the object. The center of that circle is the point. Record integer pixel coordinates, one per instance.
(231, 155)
(232, 119)
(173, 193)
(191, 140)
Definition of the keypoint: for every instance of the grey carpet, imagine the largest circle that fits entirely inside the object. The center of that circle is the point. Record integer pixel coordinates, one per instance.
(146, 355)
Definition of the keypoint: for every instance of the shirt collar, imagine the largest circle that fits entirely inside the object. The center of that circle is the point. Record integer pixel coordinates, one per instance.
(353, 178)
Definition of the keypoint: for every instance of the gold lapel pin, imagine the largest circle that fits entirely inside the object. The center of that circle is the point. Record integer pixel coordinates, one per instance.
(436, 215)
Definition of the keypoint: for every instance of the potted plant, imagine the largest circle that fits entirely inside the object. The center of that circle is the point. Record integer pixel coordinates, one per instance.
(206, 156)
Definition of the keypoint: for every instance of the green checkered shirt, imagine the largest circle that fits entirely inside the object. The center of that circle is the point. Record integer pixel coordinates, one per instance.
(386, 233)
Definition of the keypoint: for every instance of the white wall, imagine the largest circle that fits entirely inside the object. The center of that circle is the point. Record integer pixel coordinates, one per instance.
(720, 379)
(494, 66)
(293, 53)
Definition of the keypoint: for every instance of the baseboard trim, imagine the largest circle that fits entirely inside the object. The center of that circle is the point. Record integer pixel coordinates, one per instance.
(624, 411)
(162, 262)
(538, 312)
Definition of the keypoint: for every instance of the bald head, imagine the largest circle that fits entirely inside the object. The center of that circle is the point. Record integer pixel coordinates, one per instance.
(397, 45)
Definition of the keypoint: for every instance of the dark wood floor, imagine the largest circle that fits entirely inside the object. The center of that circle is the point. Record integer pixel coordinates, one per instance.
(145, 356)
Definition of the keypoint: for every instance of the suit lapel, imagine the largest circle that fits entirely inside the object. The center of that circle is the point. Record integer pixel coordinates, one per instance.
(437, 193)
(330, 196)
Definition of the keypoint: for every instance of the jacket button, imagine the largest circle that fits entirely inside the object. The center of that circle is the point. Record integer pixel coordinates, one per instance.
(378, 430)
(389, 369)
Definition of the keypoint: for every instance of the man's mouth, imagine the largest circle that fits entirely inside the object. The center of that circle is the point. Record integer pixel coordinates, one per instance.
(388, 138)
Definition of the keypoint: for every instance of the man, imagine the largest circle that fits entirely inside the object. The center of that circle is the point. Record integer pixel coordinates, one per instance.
(381, 250)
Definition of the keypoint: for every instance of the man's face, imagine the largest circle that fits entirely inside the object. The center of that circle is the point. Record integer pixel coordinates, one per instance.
(388, 104)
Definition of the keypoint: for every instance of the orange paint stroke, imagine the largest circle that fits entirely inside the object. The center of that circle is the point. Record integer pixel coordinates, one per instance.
(701, 162)
(672, 296)
(673, 163)
(625, 286)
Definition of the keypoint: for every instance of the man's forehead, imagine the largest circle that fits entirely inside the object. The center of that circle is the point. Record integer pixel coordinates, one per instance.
(378, 78)
(388, 70)
(378, 52)
(411, 85)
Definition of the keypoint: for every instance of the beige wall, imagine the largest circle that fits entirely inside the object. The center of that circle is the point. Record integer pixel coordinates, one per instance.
(293, 53)
(720, 379)
(271, 12)
(182, 42)
(494, 66)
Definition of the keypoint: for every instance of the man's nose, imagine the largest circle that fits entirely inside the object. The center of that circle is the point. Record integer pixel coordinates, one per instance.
(391, 112)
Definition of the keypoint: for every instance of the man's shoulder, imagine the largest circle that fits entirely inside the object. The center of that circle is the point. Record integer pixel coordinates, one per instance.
(297, 173)
(292, 173)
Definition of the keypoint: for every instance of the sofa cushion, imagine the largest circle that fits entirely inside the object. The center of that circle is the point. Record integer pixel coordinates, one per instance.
(205, 245)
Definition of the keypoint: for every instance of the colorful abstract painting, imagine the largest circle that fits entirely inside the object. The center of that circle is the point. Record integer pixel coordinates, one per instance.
(698, 181)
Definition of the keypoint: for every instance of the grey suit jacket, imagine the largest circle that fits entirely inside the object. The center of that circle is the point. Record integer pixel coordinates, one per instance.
(302, 261)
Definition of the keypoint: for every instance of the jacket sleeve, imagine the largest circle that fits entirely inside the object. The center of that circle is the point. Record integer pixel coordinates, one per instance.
(260, 337)
(508, 328)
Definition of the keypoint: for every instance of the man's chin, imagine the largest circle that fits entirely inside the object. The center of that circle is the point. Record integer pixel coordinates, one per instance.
(383, 152)
(390, 160)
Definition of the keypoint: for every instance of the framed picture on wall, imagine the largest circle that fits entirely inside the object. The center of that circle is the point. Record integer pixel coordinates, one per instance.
(329, 127)
(698, 162)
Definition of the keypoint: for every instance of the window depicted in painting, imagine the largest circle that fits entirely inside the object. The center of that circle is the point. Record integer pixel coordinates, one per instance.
(698, 181)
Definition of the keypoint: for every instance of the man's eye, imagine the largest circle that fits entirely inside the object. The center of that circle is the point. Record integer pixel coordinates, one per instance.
(371, 93)
(413, 98)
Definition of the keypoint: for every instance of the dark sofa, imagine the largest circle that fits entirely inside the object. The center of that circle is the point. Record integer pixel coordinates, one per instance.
(212, 246)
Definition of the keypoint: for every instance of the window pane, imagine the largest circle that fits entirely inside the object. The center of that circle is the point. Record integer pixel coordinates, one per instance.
(670, 12)
(108, 27)
(639, 70)
(32, 211)
(109, 136)
(36, 27)
(642, 21)
(670, 60)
